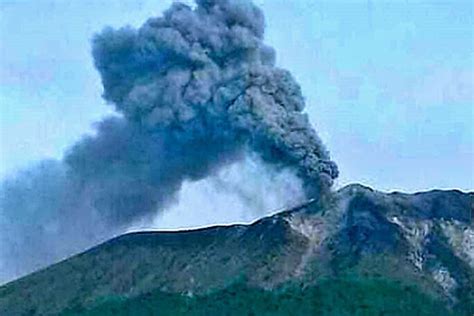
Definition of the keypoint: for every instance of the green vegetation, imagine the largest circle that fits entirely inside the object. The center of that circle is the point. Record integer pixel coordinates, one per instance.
(330, 297)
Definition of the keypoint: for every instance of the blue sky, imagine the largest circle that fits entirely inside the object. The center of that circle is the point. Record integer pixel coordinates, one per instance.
(389, 85)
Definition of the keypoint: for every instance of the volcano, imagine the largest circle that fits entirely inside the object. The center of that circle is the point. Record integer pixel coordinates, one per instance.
(362, 252)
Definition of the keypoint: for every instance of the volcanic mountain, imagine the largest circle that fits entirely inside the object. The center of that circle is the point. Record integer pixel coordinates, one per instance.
(361, 252)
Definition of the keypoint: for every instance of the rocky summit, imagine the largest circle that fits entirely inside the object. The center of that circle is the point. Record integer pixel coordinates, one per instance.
(360, 252)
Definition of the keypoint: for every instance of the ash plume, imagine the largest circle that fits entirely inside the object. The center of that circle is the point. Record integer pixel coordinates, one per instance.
(196, 89)
(204, 74)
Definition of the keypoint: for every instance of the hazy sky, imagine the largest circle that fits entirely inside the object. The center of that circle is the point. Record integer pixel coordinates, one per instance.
(389, 85)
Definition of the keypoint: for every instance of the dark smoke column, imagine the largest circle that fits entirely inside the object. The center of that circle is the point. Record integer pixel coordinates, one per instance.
(202, 84)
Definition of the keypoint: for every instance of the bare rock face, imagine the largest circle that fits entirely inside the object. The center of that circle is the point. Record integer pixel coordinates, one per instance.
(423, 239)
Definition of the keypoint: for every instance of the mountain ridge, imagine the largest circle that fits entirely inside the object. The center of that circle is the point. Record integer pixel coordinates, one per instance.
(423, 240)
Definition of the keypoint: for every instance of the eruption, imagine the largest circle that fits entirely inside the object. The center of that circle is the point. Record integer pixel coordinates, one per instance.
(196, 89)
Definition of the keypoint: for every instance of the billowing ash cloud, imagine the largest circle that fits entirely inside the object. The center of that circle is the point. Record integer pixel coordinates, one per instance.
(197, 89)
(202, 84)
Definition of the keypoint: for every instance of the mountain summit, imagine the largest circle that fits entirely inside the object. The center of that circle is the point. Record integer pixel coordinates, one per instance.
(363, 253)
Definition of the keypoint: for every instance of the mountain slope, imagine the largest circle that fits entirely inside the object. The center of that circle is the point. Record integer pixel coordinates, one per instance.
(364, 252)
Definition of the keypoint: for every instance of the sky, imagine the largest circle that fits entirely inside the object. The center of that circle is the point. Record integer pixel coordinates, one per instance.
(388, 85)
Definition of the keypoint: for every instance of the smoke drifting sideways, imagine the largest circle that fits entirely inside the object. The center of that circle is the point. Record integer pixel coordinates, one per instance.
(196, 89)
